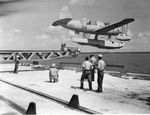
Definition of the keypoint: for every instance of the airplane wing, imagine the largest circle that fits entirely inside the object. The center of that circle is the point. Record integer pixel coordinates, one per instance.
(113, 26)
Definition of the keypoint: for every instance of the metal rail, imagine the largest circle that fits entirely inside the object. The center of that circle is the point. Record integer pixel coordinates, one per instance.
(35, 55)
(13, 105)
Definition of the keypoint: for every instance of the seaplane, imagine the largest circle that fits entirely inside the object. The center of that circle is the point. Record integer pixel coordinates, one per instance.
(97, 28)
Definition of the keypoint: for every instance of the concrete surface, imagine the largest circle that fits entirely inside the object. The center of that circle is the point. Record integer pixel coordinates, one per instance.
(120, 96)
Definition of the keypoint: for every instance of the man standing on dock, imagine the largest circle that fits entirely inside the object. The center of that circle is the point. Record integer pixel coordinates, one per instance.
(93, 61)
(86, 73)
(16, 63)
(100, 73)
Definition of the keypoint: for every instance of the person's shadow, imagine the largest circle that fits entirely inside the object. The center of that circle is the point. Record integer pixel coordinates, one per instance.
(148, 100)
(84, 89)
(49, 82)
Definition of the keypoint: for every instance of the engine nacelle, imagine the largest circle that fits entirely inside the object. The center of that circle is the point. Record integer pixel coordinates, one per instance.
(123, 37)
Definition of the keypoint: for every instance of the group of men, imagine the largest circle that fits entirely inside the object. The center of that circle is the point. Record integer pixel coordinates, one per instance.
(88, 71)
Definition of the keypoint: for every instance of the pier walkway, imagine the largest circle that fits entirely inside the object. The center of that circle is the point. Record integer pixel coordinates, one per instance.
(120, 96)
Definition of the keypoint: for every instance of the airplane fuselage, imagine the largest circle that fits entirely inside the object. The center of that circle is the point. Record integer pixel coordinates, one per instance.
(77, 26)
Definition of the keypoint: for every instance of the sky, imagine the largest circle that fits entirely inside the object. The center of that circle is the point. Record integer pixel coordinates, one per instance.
(27, 24)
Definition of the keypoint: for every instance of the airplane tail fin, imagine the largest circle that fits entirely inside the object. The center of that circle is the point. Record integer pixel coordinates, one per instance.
(65, 13)
(64, 17)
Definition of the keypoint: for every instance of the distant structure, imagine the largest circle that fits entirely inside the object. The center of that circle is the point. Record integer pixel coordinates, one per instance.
(39, 55)
(74, 51)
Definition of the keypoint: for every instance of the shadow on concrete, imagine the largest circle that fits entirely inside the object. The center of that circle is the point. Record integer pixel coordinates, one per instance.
(19, 71)
(50, 82)
(145, 99)
(84, 89)
(9, 113)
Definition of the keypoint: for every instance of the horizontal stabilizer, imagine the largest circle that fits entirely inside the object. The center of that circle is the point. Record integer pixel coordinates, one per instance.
(61, 22)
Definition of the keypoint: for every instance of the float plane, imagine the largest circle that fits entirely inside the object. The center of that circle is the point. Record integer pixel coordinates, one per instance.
(96, 28)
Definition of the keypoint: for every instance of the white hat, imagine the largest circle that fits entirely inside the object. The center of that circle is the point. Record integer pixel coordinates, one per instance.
(78, 50)
(100, 55)
(17, 56)
(53, 65)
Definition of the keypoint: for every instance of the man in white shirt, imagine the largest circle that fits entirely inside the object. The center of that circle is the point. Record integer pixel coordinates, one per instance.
(86, 73)
(100, 73)
(93, 61)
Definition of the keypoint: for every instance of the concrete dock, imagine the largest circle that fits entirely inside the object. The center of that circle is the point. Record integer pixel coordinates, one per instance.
(120, 95)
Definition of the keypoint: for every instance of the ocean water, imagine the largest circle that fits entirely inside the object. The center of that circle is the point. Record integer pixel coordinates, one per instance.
(136, 62)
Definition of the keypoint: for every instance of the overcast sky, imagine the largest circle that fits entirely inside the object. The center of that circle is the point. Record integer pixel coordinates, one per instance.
(28, 24)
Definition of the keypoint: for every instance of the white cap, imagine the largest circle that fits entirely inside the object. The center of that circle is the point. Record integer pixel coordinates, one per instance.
(78, 50)
(65, 49)
(53, 65)
(17, 56)
(100, 55)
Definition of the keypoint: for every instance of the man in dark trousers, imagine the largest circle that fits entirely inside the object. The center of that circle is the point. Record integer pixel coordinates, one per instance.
(100, 73)
(86, 73)
(16, 63)
(93, 61)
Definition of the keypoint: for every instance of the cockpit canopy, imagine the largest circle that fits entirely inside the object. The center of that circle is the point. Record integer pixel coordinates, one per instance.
(97, 23)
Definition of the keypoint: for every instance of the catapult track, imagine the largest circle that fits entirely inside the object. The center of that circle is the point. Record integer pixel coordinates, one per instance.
(35, 55)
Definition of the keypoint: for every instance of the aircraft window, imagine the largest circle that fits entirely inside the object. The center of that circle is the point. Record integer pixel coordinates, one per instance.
(94, 23)
(89, 23)
(107, 23)
(101, 24)
(113, 42)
